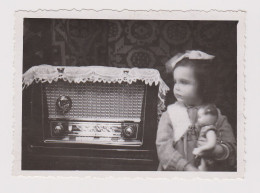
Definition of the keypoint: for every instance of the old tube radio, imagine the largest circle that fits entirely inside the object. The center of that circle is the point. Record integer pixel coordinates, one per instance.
(99, 118)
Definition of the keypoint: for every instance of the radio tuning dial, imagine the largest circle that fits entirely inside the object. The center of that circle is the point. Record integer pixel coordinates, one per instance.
(64, 103)
(129, 131)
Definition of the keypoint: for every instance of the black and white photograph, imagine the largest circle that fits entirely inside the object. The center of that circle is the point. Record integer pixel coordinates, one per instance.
(130, 96)
(135, 94)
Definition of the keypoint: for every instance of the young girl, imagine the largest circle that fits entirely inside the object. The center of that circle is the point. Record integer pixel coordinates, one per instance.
(177, 135)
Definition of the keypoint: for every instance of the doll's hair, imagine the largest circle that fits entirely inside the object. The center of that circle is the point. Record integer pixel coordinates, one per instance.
(210, 109)
(204, 74)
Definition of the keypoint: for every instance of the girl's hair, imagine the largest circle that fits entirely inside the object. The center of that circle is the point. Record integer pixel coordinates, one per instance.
(203, 71)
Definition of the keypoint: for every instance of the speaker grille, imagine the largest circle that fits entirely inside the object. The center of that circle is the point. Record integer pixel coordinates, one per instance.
(97, 100)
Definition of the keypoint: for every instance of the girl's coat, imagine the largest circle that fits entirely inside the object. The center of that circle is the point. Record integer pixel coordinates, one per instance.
(176, 139)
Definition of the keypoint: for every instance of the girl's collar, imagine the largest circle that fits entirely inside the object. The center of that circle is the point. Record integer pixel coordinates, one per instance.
(190, 106)
(193, 107)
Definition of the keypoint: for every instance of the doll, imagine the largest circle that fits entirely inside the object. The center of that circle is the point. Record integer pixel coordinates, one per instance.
(207, 118)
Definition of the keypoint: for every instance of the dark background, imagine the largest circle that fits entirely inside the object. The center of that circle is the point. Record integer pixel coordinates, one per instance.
(132, 43)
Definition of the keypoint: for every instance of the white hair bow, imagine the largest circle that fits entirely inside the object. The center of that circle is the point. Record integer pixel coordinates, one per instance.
(190, 54)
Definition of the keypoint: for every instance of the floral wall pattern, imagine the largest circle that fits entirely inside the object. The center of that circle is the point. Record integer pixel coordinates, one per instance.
(135, 43)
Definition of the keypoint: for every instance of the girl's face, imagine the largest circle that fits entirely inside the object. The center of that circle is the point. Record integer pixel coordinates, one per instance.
(186, 86)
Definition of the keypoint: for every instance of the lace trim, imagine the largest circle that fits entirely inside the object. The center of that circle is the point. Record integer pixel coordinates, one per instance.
(47, 73)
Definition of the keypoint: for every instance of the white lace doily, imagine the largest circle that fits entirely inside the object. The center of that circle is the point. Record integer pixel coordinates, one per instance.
(47, 73)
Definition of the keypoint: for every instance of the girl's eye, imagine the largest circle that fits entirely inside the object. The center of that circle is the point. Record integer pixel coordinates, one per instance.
(184, 82)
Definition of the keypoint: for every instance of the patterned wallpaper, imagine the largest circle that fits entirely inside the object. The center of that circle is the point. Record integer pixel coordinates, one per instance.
(132, 43)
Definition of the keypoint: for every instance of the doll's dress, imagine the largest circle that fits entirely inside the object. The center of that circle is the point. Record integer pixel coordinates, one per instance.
(202, 136)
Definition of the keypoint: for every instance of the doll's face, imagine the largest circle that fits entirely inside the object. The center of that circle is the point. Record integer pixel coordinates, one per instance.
(186, 86)
(205, 119)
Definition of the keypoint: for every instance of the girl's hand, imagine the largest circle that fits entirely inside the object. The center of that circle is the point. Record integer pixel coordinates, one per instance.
(216, 152)
(197, 152)
(190, 167)
(206, 153)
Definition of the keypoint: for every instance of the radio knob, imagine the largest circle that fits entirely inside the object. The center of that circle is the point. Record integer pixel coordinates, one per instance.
(58, 128)
(129, 131)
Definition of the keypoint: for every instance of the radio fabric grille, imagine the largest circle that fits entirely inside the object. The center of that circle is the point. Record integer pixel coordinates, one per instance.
(97, 100)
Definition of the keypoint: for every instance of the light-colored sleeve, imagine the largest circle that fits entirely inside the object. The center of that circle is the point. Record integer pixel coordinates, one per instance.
(170, 159)
(227, 139)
